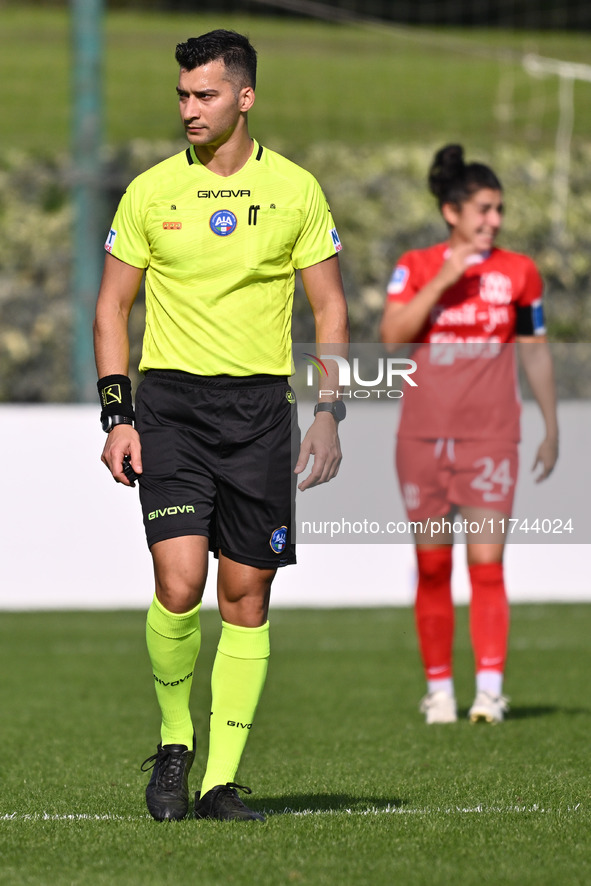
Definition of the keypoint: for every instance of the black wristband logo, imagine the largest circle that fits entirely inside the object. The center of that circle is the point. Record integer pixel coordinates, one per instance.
(111, 394)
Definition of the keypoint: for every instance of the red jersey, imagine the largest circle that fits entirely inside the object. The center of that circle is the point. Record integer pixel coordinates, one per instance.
(466, 372)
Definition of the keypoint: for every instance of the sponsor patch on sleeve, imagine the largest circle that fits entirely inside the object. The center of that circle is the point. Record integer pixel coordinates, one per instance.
(336, 240)
(398, 280)
(110, 240)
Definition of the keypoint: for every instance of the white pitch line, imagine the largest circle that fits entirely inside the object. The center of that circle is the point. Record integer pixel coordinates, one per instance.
(434, 810)
(535, 808)
(77, 816)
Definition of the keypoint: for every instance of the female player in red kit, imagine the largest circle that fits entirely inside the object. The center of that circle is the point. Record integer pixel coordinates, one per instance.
(464, 303)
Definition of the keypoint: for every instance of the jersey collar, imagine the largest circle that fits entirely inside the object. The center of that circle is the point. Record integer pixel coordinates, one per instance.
(257, 153)
(476, 259)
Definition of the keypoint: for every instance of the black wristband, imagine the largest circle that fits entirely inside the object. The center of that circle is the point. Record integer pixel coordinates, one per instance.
(115, 396)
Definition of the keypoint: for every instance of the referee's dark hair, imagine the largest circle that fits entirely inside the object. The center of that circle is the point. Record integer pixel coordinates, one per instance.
(453, 181)
(235, 50)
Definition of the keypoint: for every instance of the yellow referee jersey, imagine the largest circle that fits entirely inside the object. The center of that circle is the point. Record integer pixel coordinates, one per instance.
(220, 255)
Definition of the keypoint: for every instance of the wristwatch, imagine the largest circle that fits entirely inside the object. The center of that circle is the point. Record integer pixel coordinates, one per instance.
(337, 409)
(110, 421)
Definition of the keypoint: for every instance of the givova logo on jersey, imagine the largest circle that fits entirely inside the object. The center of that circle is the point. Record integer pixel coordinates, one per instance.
(496, 288)
(223, 222)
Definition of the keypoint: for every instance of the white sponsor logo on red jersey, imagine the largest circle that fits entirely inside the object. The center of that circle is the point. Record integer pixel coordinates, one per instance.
(446, 347)
(496, 288)
(464, 315)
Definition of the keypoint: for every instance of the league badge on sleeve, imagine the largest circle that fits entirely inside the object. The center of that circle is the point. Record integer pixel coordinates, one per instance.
(336, 240)
(110, 240)
(278, 540)
(398, 280)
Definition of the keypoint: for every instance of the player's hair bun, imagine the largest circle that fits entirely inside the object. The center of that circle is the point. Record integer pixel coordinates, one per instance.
(447, 170)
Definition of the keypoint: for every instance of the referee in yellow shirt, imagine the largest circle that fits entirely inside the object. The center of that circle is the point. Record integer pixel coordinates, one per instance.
(219, 231)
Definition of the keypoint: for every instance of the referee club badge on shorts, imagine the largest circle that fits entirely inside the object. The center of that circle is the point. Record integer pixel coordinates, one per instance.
(223, 222)
(278, 540)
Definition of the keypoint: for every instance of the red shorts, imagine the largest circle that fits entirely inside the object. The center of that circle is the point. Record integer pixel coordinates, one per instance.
(437, 475)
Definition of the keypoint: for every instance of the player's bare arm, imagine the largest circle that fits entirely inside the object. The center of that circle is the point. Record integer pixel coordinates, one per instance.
(536, 360)
(119, 287)
(402, 323)
(324, 289)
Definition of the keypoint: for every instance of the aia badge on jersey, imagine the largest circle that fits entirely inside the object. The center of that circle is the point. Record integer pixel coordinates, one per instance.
(223, 222)
(278, 540)
(398, 280)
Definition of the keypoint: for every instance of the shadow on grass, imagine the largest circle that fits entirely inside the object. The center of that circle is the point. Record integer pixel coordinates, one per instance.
(314, 804)
(525, 712)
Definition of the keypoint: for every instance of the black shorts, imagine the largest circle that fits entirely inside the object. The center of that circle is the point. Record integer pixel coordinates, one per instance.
(218, 456)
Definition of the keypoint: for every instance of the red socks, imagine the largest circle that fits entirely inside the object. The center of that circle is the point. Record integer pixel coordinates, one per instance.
(489, 617)
(434, 612)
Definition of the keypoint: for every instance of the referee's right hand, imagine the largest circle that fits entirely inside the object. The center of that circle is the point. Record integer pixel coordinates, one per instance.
(121, 441)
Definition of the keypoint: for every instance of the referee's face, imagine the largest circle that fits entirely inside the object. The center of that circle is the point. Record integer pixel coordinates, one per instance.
(211, 104)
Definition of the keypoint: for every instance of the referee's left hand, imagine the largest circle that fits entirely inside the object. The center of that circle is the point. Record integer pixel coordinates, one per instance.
(322, 442)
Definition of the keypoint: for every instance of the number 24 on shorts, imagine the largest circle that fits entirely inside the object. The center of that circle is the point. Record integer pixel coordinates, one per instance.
(493, 480)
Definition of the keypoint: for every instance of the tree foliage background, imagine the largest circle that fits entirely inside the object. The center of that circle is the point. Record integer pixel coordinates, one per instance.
(377, 192)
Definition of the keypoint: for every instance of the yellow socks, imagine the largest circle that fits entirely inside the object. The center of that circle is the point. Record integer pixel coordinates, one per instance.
(237, 681)
(173, 646)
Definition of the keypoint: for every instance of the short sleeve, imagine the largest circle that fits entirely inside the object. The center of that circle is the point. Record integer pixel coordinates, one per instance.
(402, 285)
(530, 312)
(127, 239)
(318, 238)
(533, 286)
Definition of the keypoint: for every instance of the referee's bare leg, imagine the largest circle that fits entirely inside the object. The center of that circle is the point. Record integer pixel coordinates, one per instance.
(180, 569)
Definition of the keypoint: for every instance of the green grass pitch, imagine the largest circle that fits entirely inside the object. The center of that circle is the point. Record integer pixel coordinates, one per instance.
(357, 789)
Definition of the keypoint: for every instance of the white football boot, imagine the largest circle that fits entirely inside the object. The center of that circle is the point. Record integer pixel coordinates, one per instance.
(439, 707)
(488, 707)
